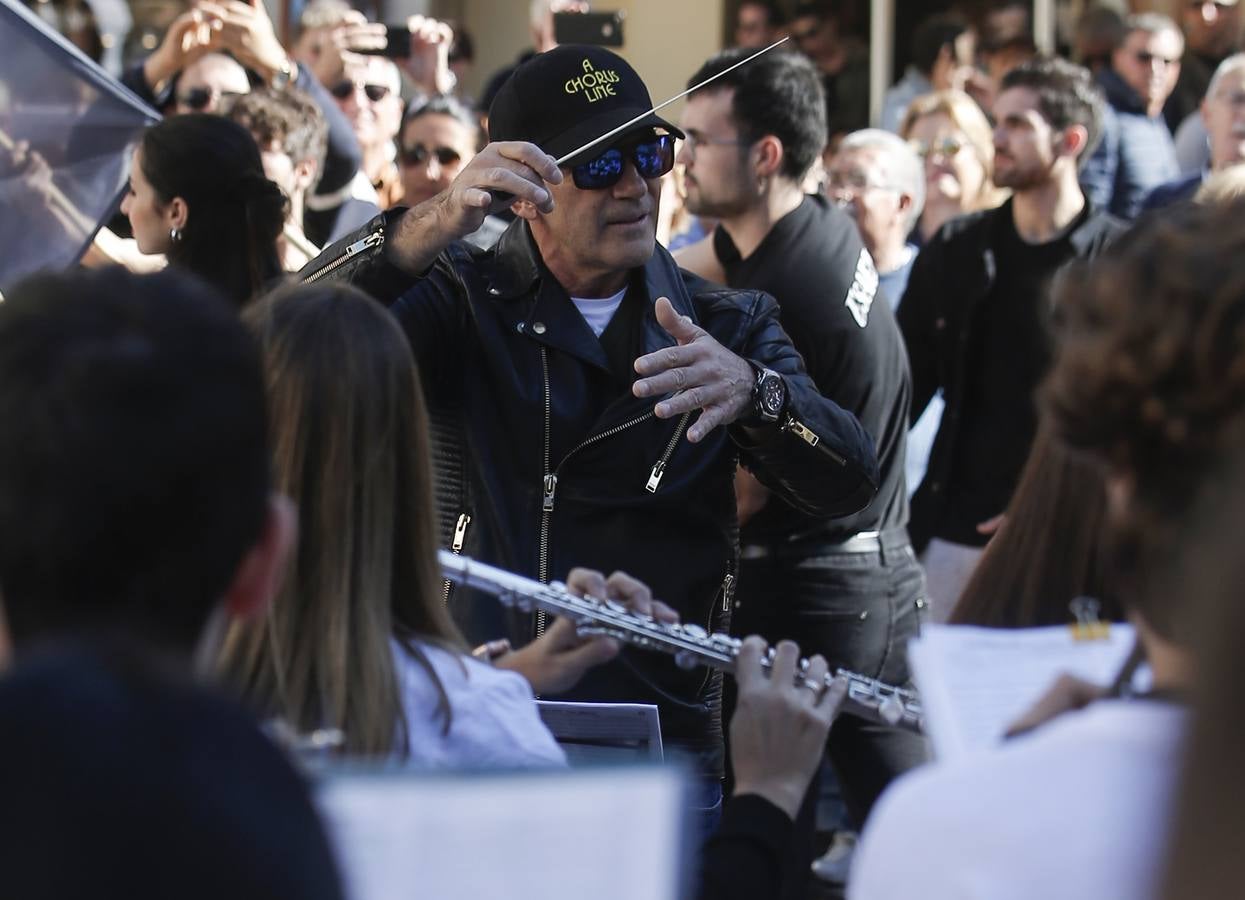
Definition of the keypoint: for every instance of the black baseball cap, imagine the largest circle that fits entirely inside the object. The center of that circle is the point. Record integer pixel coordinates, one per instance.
(566, 97)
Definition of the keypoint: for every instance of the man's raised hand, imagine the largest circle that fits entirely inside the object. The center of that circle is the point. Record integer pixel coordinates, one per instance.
(501, 174)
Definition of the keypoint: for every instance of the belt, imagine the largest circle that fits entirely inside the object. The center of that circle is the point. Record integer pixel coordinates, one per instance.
(861, 542)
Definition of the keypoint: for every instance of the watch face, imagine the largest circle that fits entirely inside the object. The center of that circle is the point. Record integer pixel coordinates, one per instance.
(772, 395)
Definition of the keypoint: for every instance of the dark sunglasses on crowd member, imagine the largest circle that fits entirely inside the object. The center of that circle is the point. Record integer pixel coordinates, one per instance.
(653, 157)
(418, 154)
(345, 87)
(199, 98)
(1147, 59)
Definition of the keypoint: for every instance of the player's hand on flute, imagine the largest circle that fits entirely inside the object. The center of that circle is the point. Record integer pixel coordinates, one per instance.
(555, 661)
(778, 732)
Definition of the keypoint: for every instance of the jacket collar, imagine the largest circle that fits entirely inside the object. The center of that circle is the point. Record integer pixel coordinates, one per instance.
(1088, 225)
(1119, 94)
(518, 271)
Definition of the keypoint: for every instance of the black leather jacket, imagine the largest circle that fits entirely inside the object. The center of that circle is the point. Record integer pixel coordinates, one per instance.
(563, 469)
(954, 272)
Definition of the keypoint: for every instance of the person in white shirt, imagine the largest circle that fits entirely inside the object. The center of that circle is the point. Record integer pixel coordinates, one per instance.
(1147, 384)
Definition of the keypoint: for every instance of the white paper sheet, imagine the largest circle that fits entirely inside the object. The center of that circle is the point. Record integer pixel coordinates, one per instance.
(608, 834)
(975, 682)
(595, 733)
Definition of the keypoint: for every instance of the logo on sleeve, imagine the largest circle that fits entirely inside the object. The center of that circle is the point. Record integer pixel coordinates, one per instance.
(593, 84)
(864, 288)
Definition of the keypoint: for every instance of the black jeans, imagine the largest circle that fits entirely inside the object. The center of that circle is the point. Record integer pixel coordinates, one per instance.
(858, 610)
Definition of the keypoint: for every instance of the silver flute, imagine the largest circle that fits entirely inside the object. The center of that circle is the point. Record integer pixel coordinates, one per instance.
(690, 644)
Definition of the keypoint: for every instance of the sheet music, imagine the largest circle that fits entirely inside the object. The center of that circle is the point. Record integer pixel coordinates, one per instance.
(608, 834)
(595, 733)
(975, 682)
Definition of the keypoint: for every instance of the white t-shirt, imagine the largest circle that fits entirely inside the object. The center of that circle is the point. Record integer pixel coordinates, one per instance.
(597, 313)
(495, 723)
(1076, 811)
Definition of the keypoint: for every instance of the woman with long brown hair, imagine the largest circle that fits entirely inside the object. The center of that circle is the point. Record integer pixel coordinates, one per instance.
(358, 638)
(1050, 549)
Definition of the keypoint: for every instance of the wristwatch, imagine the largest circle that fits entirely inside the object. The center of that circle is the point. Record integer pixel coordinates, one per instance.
(284, 76)
(769, 397)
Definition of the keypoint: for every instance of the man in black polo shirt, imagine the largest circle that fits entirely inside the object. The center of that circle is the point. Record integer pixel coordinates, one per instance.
(849, 588)
(974, 315)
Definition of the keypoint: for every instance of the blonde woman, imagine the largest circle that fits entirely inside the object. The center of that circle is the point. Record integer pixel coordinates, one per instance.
(948, 130)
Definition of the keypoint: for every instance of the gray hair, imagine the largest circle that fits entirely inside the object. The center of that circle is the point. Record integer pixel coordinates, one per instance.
(1151, 23)
(1223, 70)
(904, 169)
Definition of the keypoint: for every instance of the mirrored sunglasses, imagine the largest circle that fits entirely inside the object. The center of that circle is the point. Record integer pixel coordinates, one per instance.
(652, 159)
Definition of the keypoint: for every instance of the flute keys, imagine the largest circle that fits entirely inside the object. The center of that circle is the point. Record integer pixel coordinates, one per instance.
(695, 631)
(891, 710)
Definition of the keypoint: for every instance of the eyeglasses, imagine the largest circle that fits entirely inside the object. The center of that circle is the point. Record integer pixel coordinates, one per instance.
(1149, 59)
(855, 181)
(199, 98)
(418, 155)
(652, 158)
(345, 88)
(946, 147)
(695, 139)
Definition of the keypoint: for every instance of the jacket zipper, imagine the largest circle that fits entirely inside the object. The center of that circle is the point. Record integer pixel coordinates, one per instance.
(659, 469)
(375, 239)
(810, 437)
(549, 483)
(456, 547)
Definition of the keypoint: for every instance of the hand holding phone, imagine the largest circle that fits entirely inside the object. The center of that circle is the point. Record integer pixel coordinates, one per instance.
(605, 29)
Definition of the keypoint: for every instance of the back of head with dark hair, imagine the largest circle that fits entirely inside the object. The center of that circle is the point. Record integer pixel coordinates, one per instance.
(133, 460)
(778, 93)
(122, 782)
(819, 9)
(1066, 95)
(287, 117)
(774, 12)
(1149, 378)
(235, 213)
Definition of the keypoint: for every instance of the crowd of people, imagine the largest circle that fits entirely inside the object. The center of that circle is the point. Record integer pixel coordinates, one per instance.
(768, 368)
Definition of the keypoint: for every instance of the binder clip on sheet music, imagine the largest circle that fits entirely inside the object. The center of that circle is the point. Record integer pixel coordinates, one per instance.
(690, 644)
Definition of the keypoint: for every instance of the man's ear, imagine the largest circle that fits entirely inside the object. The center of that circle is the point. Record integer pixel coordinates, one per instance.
(770, 155)
(262, 570)
(1073, 141)
(305, 174)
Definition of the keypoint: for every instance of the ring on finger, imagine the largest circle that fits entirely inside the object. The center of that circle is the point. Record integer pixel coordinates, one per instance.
(816, 687)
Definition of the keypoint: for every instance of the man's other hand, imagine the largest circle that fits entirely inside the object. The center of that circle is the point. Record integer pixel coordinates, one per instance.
(699, 372)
